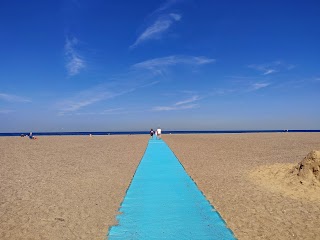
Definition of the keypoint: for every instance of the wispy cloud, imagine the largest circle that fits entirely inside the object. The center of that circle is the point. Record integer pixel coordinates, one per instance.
(222, 91)
(166, 5)
(86, 98)
(269, 71)
(175, 16)
(75, 62)
(173, 108)
(13, 98)
(97, 94)
(189, 100)
(270, 68)
(257, 86)
(241, 77)
(110, 111)
(156, 30)
(113, 111)
(159, 64)
(180, 105)
(239, 89)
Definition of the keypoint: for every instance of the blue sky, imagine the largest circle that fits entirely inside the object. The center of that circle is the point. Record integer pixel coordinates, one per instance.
(80, 65)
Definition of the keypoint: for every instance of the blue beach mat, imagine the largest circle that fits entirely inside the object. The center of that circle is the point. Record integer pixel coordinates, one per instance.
(163, 202)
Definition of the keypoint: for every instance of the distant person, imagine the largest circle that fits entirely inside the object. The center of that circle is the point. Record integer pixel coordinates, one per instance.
(151, 133)
(158, 132)
(31, 136)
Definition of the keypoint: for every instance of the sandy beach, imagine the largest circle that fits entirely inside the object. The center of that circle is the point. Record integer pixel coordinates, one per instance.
(64, 187)
(71, 187)
(240, 174)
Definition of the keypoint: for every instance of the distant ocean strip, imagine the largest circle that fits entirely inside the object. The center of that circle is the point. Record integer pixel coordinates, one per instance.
(147, 132)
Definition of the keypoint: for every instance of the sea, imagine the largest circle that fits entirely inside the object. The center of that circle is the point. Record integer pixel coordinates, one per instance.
(147, 132)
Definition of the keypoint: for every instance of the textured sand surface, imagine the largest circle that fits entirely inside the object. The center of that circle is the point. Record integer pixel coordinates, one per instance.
(64, 187)
(298, 181)
(71, 187)
(224, 166)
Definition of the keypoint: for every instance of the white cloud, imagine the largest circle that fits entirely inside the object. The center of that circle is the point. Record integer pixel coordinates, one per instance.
(86, 98)
(273, 67)
(190, 100)
(265, 69)
(97, 94)
(113, 111)
(74, 105)
(159, 64)
(166, 5)
(257, 86)
(222, 91)
(174, 108)
(175, 16)
(13, 98)
(239, 89)
(109, 111)
(75, 62)
(156, 30)
(269, 71)
(180, 105)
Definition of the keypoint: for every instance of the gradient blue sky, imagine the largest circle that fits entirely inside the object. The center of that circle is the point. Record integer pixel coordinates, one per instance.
(102, 65)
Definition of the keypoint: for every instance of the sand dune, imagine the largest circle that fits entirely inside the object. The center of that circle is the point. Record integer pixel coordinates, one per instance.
(297, 181)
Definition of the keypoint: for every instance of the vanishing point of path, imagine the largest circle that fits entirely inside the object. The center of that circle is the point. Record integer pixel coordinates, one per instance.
(163, 202)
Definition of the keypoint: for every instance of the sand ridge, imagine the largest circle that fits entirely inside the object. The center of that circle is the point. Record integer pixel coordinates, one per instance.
(308, 170)
(297, 181)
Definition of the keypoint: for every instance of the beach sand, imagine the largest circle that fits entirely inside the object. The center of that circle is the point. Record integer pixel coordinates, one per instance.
(66, 187)
(71, 187)
(246, 177)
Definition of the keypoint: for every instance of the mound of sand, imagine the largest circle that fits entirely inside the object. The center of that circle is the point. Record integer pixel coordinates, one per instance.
(299, 181)
(308, 170)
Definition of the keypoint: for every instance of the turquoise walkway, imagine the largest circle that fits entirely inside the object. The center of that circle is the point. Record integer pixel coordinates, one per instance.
(163, 202)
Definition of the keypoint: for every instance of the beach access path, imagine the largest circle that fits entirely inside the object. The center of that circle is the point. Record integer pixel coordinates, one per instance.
(163, 202)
